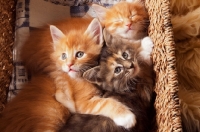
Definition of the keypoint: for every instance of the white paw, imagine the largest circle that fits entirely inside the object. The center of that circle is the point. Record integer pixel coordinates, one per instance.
(147, 47)
(127, 120)
(147, 44)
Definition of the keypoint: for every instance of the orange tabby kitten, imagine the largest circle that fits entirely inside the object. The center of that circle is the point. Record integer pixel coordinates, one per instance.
(64, 52)
(128, 20)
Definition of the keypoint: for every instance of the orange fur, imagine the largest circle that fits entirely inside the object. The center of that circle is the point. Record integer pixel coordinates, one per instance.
(188, 58)
(190, 109)
(36, 51)
(34, 109)
(43, 54)
(117, 18)
(187, 26)
(181, 7)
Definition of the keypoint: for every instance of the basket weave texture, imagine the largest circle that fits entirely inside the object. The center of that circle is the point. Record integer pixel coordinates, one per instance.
(167, 101)
(7, 22)
(160, 30)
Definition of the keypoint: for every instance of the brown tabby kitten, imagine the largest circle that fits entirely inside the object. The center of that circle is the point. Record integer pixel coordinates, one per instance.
(128, 20)
(59, 55)
(124, 75)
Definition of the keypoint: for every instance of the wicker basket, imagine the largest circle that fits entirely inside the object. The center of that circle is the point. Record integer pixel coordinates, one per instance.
(167, 101)
(7, 23)
(160, 30)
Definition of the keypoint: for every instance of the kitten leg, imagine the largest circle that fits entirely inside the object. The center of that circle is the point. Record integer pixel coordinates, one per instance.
(109, 107)
(64, 93)
(65, 99)
(147, 47)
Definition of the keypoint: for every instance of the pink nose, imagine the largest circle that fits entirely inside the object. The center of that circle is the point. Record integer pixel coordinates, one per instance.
(128, 25)
(69, 65)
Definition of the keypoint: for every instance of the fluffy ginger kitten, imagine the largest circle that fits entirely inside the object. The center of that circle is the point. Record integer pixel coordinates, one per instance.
(63, 51)
(128, 20)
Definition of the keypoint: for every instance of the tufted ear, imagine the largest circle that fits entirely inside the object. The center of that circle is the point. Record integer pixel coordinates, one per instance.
(56, 34)
(100, 12)
(109, 39)
(94, 30)
(91, 75)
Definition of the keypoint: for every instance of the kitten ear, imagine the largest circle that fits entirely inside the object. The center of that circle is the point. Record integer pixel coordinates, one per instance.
(56, 34)
(100, 12)
(107, 37)
(91, 75)
(94, 30)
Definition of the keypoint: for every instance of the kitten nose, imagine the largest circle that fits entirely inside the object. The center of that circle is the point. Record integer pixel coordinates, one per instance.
(132, 65)
(69, 65)
(128, 25)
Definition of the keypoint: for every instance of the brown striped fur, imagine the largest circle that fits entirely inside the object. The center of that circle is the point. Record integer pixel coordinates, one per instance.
(137, 94)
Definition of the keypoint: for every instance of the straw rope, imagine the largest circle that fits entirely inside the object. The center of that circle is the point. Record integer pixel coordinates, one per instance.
(167, 101)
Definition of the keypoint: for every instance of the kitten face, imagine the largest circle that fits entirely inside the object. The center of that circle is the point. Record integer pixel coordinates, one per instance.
(119, 68)
(126, 20)
(118, 71)
(75, 55)
(122, 67)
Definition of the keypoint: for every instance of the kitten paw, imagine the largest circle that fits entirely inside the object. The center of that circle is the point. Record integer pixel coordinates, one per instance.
(127, 120)
(147, 47)
(147, 44)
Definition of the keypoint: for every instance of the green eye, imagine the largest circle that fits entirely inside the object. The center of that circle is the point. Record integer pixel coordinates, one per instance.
(64, 56)
(118, 69)
(79, 54)
(125, 55)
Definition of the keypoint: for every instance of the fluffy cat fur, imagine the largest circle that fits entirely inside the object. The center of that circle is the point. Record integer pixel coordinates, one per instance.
(124, 66)
(182, 7)
(188, 58)
(133, 86)
(190, 109)
(186, 26)
(128, 20)
(63, 53)
(34, 109)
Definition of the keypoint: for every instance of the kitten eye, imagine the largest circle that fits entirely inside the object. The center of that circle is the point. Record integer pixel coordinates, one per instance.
(64, 56)
(133, 16)
(125, 55)
(118, 69)
(79, 54)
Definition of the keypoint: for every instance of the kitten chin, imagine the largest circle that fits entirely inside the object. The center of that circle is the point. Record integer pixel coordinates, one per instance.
(74, 74)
